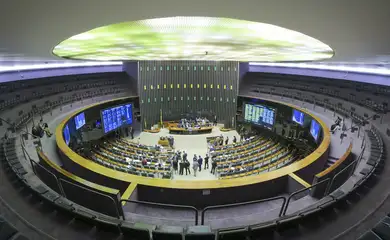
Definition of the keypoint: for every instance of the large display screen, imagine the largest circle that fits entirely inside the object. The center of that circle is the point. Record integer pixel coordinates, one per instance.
(315, 129)
(259, 114)
(79, 120)
(298, 117)
(66, 134)
(117, 116)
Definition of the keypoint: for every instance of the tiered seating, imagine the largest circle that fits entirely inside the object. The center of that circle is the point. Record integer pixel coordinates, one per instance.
(270, 161)
(252, 156)
(375, 97)
(59, 92)
(244, 153)
(125, 156)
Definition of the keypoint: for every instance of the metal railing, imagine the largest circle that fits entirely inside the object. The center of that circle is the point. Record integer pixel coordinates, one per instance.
(114, 203)
(164, 205)
(243, 204)
(300, 191)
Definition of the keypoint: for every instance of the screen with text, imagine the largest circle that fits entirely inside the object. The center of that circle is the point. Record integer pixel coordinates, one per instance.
(115, 117)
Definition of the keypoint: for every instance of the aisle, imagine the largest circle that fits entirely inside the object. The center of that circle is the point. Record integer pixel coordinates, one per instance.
(192, 144)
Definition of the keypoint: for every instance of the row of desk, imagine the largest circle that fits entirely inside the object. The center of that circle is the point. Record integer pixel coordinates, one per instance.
(201, 192)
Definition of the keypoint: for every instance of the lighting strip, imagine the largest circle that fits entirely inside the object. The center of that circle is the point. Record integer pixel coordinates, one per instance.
(379, 71)
(55, 65)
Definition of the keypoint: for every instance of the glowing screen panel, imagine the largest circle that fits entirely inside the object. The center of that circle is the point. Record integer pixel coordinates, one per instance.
(115, 117)
(260, 115)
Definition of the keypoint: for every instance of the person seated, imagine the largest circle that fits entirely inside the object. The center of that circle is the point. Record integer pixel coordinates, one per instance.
(144, 162)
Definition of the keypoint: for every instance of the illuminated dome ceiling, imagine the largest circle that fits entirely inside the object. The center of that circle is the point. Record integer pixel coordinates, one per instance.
(193, 38)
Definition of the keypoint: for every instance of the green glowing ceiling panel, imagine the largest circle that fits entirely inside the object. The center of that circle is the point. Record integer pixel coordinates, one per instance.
(193, 38)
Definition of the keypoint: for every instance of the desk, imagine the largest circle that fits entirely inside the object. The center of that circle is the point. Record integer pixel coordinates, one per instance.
(202, 130)
(164, 142)
(186, 192)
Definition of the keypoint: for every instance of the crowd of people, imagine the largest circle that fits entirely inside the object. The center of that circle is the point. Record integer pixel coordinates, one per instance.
(194, 123)
(181, 163)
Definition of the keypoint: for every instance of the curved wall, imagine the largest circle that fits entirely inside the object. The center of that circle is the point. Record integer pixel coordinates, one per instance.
(191, 193)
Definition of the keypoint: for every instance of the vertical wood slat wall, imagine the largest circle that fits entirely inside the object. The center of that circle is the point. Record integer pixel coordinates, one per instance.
(166, 86)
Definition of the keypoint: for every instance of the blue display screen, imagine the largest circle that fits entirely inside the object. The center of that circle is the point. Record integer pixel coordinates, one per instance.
(66, 134)
(79, 120)
(315, 129)
(298, 117)
(115, 117)
(259, 114)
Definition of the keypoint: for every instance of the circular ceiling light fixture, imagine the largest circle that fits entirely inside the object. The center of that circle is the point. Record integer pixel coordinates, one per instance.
(193, 38)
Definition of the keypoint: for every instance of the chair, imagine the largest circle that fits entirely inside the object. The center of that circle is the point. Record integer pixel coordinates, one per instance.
(6, 229)
(168, 233)
(135, 232)
(199, 233)
(382, 230)
(233, 234)
(200, 236)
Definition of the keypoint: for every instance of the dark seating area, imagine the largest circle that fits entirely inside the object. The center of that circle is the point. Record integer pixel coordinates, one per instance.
(375, 97)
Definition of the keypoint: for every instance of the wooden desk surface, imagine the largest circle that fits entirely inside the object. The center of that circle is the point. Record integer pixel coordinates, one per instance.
(199, 184)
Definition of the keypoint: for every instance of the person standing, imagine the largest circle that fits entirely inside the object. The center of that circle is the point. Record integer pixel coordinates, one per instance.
(195, 166)
(213, 166)
(206, 162)
(181, 167)
(187, 167)
(227, 140)
(184, 156)
(200, 162)
(234, 139)
(174, 163)
(132, 132)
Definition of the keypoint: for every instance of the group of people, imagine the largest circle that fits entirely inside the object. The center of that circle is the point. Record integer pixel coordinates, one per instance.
(180, 161)
(40, 129)
(219, 141)
(194, 123)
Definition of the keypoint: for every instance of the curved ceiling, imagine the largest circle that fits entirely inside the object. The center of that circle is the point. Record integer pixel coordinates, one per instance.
(193, 38)
(354, 29)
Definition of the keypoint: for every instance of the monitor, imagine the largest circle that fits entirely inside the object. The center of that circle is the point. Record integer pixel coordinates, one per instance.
(115, 117)
(315, 129)
(79, 120)
(260, 115)
(298, 117)
(66, 134)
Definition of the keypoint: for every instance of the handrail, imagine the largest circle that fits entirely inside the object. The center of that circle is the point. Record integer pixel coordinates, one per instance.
(337, 174)
(52, 174)
(299, 191)
(337, 163)
(90, 190)
(243, 204)
(163, 205)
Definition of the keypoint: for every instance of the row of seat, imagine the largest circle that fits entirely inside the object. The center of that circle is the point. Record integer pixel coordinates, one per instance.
(87, 87)
(251, 160)
(267, 166)
(8, 155)
(237, 159)
(349, 91)
(109, 160)
(381, 231)
(243, 149)
(235, 146)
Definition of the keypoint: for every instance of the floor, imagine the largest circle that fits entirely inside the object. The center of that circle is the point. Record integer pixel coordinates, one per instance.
(191, 144)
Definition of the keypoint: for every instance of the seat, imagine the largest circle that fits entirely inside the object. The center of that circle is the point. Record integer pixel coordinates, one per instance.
(135, 232)
(199, 233)
(6, 230)
(168, 233)
(233, 234)
(200, 236)
(382, 230)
